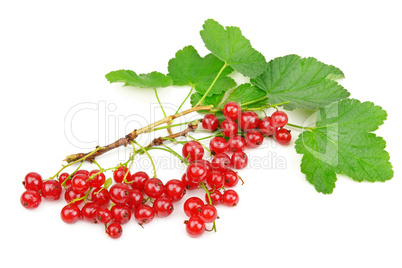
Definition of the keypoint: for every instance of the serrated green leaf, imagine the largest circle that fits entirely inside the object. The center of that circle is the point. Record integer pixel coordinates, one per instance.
(342, 143)
(214, 99)
(305, 82)
(130, 78)
(246, 94)
(232, 47)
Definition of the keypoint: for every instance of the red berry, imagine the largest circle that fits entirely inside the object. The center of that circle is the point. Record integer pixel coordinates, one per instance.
(279, 119)
(96, 180)
(231, 110)
(193, 206)
(103, 215)
(197, 172)
(88, 212)
(189, 184)
(135, 199)
(254, 138)
(218, 145)
(137, 180)
(114, 230)
(121, 213)
(163, 206)
(229, 128)
(51, 190)
(82, 172)
(100, 196)
(230, 198)
(283, 136)
(119, 193)
(195, 226)
(209, 213)
(33, 181)
(248, 120)
(238, 160)
(216, 197)
(215, 180)
(30, 199)
(175, 189)
(206, 163)
(70, 213)
(154, 187)
(265, 126)
(221, 162)
(144, 214)
(80, 184)
(210, 122)
(230, 178)
(192, 151)
(236, 144)
(118, 174)
(71, 195)
(66, 179)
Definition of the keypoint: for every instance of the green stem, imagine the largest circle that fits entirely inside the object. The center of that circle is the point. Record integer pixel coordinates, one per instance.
(150, 158)
(170, 150)
(131, 164)
(300, 127)
(209, 201)
(213, 83)
(189, 94)
(160, 104)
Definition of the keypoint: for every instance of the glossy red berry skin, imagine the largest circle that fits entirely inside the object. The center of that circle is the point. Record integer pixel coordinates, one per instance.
(206, 163)
(283, 136)
(96, 180)
(114, 230)
(144, 214)
(218, 145)
(163, 206)
(82, 172)
(103, 215)
(138, 179)
(221, 162)
(118, 174)
(195, 226)
(51, 190)
(236, 144)
(210, 122)
(30, 199)
(101, 196)
(197, 172)
(65, 177)
(189, 184)
(33, 181)
(135, 199)
(253, 138)
(216, 197)
(70, 213)
(230, 178)
(232, 110)
(71, 195)
(88, 212)
(119, 193)
(192, 151)
(248, 120)
(209, 213)
(229, 128)
(238, 160)
(216, 180)
(193, 206)
(230, 198)
(121, 213)
(175, 189)
(265, 126)
(80, 184)
(154, 187)
(279, 119)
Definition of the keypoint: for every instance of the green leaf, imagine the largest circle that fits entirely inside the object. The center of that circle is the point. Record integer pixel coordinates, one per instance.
(189, 68)
(305, 82)
(246, 95)
(214, 99)
(107, 183)
(233, 48)
(342, 143)
(130, 78)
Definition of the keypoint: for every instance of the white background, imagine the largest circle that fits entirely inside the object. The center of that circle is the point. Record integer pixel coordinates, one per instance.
(54, 56)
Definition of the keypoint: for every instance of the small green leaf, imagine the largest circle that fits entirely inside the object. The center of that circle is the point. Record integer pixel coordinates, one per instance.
(130, 78)
(232, 47)
(214, 99)
(342, 143)
(107, 183)
(247, 96)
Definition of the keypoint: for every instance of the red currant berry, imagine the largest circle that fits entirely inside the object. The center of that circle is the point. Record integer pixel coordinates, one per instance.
(254, 138)
(206, 163)
(71, 195)
(248, 120)
(265, 126)
(137, 180)
(51, 190)
(209, 213)
(236, 144)
(283, 136)
(175, 189)
(65, 180)
(30, 199)
(103, 215)
(197, 172)
(192, 151)
(195, 226)
(238, 160)
(215, 180)
(114, 230)
(80, 184)
(229, 128)
(119, 193)
(193, 206)
(210, 122)
(154, 187)
(230, 198)
(189, 184)
(101, 196)
(144, 214)
(216, 197)
(96, 180)
(230, 178)
(231, 110)
(70, 213)
(82, 172)
(121, 213)
(221, 162)
(118, 174)
(135, 199)
(33, 181)
(163, 206)
(279, 119)
(88, 212)
(218, 145)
